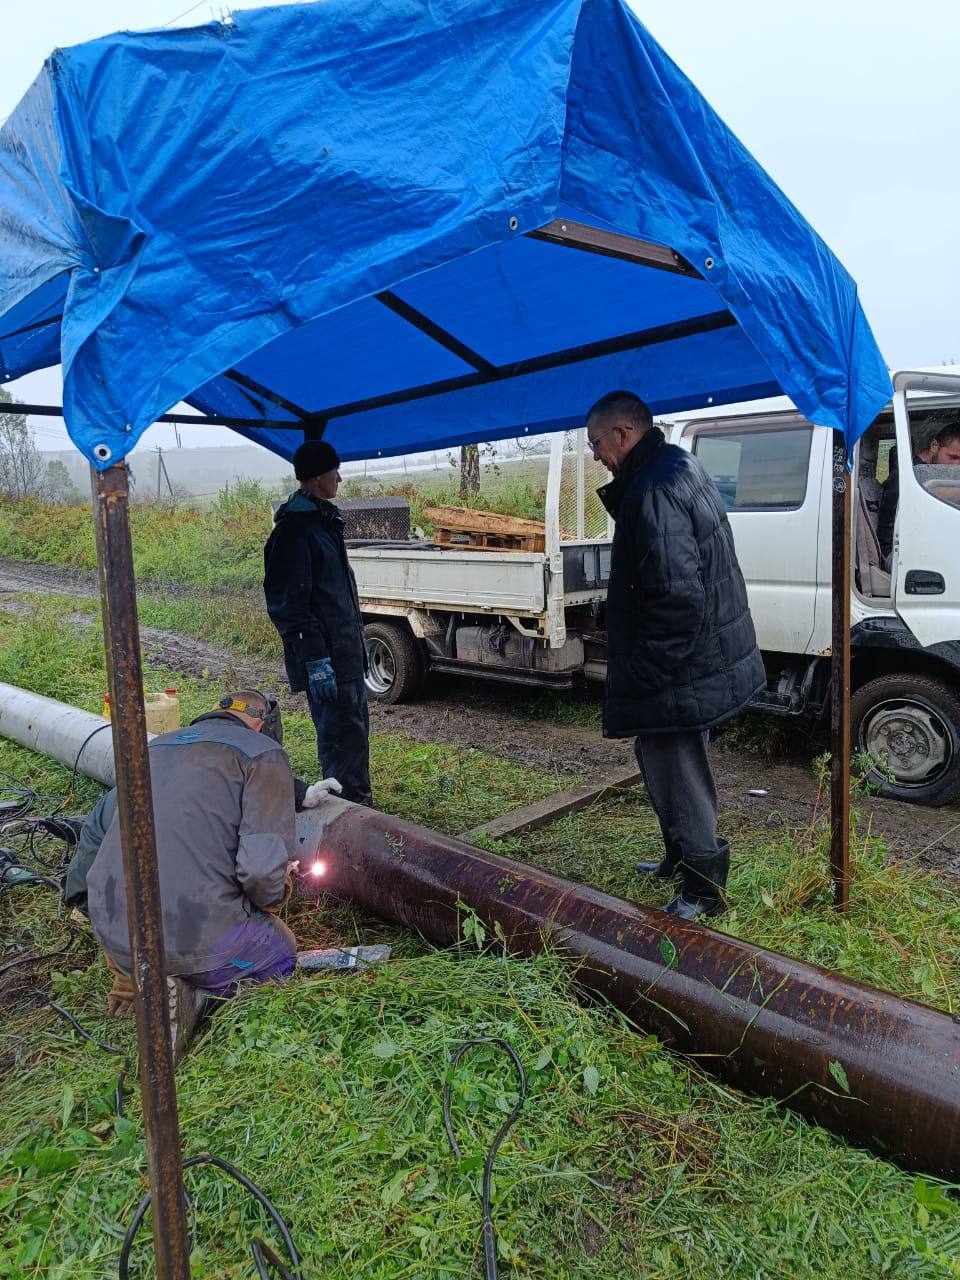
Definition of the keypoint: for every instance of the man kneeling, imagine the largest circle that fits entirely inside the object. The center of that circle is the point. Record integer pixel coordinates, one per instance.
(223, 807)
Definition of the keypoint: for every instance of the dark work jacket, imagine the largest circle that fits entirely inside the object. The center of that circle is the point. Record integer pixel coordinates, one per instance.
(311, 592)
(682, 652)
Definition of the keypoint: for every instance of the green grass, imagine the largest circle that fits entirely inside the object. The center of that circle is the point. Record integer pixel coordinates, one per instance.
(625, 1162)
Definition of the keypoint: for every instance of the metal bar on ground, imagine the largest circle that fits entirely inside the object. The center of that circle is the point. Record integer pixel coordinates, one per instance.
(555, 806)
(840, 744)
(138, 839)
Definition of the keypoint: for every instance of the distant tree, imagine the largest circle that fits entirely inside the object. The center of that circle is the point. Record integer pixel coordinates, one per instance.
(469, 469)
(58, 485)
(22, 472)
(532, 446)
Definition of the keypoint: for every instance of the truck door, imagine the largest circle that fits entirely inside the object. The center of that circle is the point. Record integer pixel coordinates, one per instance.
(762, 466)
(926, 550)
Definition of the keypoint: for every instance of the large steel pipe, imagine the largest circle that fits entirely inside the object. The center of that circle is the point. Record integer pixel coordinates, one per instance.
(872, 1067)
(868, 1065)
(56, 729)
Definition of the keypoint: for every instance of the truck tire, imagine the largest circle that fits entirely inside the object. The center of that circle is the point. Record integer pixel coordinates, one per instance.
(911, 724)
(396, 665)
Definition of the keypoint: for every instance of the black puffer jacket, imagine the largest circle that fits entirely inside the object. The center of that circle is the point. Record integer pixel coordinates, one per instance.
(311, 592)
(682, 651)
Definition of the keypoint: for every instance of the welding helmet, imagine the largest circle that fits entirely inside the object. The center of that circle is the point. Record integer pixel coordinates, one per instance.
(272, 723)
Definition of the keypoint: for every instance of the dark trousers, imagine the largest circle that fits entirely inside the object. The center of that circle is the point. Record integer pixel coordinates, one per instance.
(679, 781)
(343, 739)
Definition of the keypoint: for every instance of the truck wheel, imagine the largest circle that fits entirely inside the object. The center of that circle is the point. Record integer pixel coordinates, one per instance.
(396, 666)
(911, 726)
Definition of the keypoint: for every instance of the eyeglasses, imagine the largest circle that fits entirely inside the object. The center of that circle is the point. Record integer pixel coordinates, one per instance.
(596, 439)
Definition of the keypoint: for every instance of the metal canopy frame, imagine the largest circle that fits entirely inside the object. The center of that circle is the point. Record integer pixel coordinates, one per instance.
(122, 649)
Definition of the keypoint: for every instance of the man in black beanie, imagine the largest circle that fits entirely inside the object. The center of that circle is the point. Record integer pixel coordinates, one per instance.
(312, 600)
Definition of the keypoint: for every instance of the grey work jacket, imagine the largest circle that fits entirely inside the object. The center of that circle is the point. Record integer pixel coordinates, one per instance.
(223, 809)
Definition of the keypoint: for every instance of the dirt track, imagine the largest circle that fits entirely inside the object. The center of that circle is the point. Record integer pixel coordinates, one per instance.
(470, 713)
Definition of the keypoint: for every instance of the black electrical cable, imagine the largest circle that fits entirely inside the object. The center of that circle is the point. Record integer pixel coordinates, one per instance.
(76, 764)
(28, 829)
(107, 1048)
(489, 1235)
(37, 957)
(262, 1253)
(16, 800)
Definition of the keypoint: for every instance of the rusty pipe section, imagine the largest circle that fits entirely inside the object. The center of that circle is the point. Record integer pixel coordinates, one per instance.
(876, 1069)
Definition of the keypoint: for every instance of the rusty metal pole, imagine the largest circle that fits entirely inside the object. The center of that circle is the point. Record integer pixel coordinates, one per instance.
(840, 679)
(121, 639)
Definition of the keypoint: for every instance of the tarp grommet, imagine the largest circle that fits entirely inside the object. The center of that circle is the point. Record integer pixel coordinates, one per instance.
(102, 452)
(708, 264)
(514, 223)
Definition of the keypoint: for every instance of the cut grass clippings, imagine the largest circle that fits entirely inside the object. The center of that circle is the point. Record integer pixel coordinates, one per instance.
(626, 1161)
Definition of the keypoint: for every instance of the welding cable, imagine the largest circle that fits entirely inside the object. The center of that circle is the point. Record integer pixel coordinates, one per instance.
(27, 830)
(76, 763)
(36, 957)
(10, 863)
(489, 1235)
(262, 1253)
(16, 800)
(107, 1048)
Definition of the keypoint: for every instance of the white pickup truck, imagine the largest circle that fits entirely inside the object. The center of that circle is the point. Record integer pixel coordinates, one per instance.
(537, 618)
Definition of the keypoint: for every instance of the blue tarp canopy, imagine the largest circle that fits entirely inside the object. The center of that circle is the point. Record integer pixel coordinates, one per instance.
(406, 224)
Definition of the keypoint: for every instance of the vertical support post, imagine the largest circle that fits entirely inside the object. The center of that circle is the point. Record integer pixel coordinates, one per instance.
(121, 637)
(840, 679)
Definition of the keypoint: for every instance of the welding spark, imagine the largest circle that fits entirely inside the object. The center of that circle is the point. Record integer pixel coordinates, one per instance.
(318, 868)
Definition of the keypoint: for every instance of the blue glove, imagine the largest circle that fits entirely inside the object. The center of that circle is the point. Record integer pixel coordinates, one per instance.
(322, 681)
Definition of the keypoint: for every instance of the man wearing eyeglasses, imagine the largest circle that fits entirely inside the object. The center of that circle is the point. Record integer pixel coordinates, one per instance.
(682, 653)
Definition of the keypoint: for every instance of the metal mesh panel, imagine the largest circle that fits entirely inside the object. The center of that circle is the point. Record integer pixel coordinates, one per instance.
(579, 462)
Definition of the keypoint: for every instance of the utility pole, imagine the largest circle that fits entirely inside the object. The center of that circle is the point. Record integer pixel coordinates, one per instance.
(162, 471)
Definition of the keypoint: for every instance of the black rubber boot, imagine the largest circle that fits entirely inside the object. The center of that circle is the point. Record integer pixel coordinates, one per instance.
(701, 892)
(666, 868)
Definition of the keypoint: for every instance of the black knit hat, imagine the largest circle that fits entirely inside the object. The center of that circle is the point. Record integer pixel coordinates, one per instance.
(314, 458)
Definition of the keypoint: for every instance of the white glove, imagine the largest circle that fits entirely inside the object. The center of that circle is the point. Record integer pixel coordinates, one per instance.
(319, 791)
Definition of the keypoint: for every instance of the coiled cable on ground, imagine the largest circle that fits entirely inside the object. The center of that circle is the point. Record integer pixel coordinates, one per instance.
(489, 1235)
(262, 1254)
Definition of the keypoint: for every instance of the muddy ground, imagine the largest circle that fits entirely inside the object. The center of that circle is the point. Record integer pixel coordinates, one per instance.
(498, 719)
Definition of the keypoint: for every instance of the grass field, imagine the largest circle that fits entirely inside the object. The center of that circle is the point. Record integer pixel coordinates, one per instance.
(626, 1163)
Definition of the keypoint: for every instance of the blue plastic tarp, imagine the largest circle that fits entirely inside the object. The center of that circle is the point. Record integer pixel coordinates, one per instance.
(324, 208)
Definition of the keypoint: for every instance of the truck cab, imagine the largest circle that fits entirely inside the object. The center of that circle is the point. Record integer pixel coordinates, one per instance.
(774, 471)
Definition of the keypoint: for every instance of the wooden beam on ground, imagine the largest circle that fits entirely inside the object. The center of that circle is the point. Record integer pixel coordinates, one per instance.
(555, 806)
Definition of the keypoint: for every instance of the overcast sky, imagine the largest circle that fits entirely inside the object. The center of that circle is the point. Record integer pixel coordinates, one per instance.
(852, 107)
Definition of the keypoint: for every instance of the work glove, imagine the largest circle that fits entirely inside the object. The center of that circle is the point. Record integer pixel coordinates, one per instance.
(319, 791)
(120, 997)
(293, 869)
(322, 681)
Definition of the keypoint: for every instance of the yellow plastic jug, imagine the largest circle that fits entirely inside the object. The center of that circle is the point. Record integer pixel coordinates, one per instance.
(162, 710)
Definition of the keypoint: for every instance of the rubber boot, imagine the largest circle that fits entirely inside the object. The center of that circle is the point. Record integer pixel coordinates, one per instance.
(667, 867)
(701, 892)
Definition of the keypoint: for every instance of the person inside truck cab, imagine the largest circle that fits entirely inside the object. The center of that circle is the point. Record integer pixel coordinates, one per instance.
(943, 449)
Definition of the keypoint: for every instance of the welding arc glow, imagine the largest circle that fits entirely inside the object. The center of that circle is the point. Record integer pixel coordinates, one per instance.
(318, 868)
